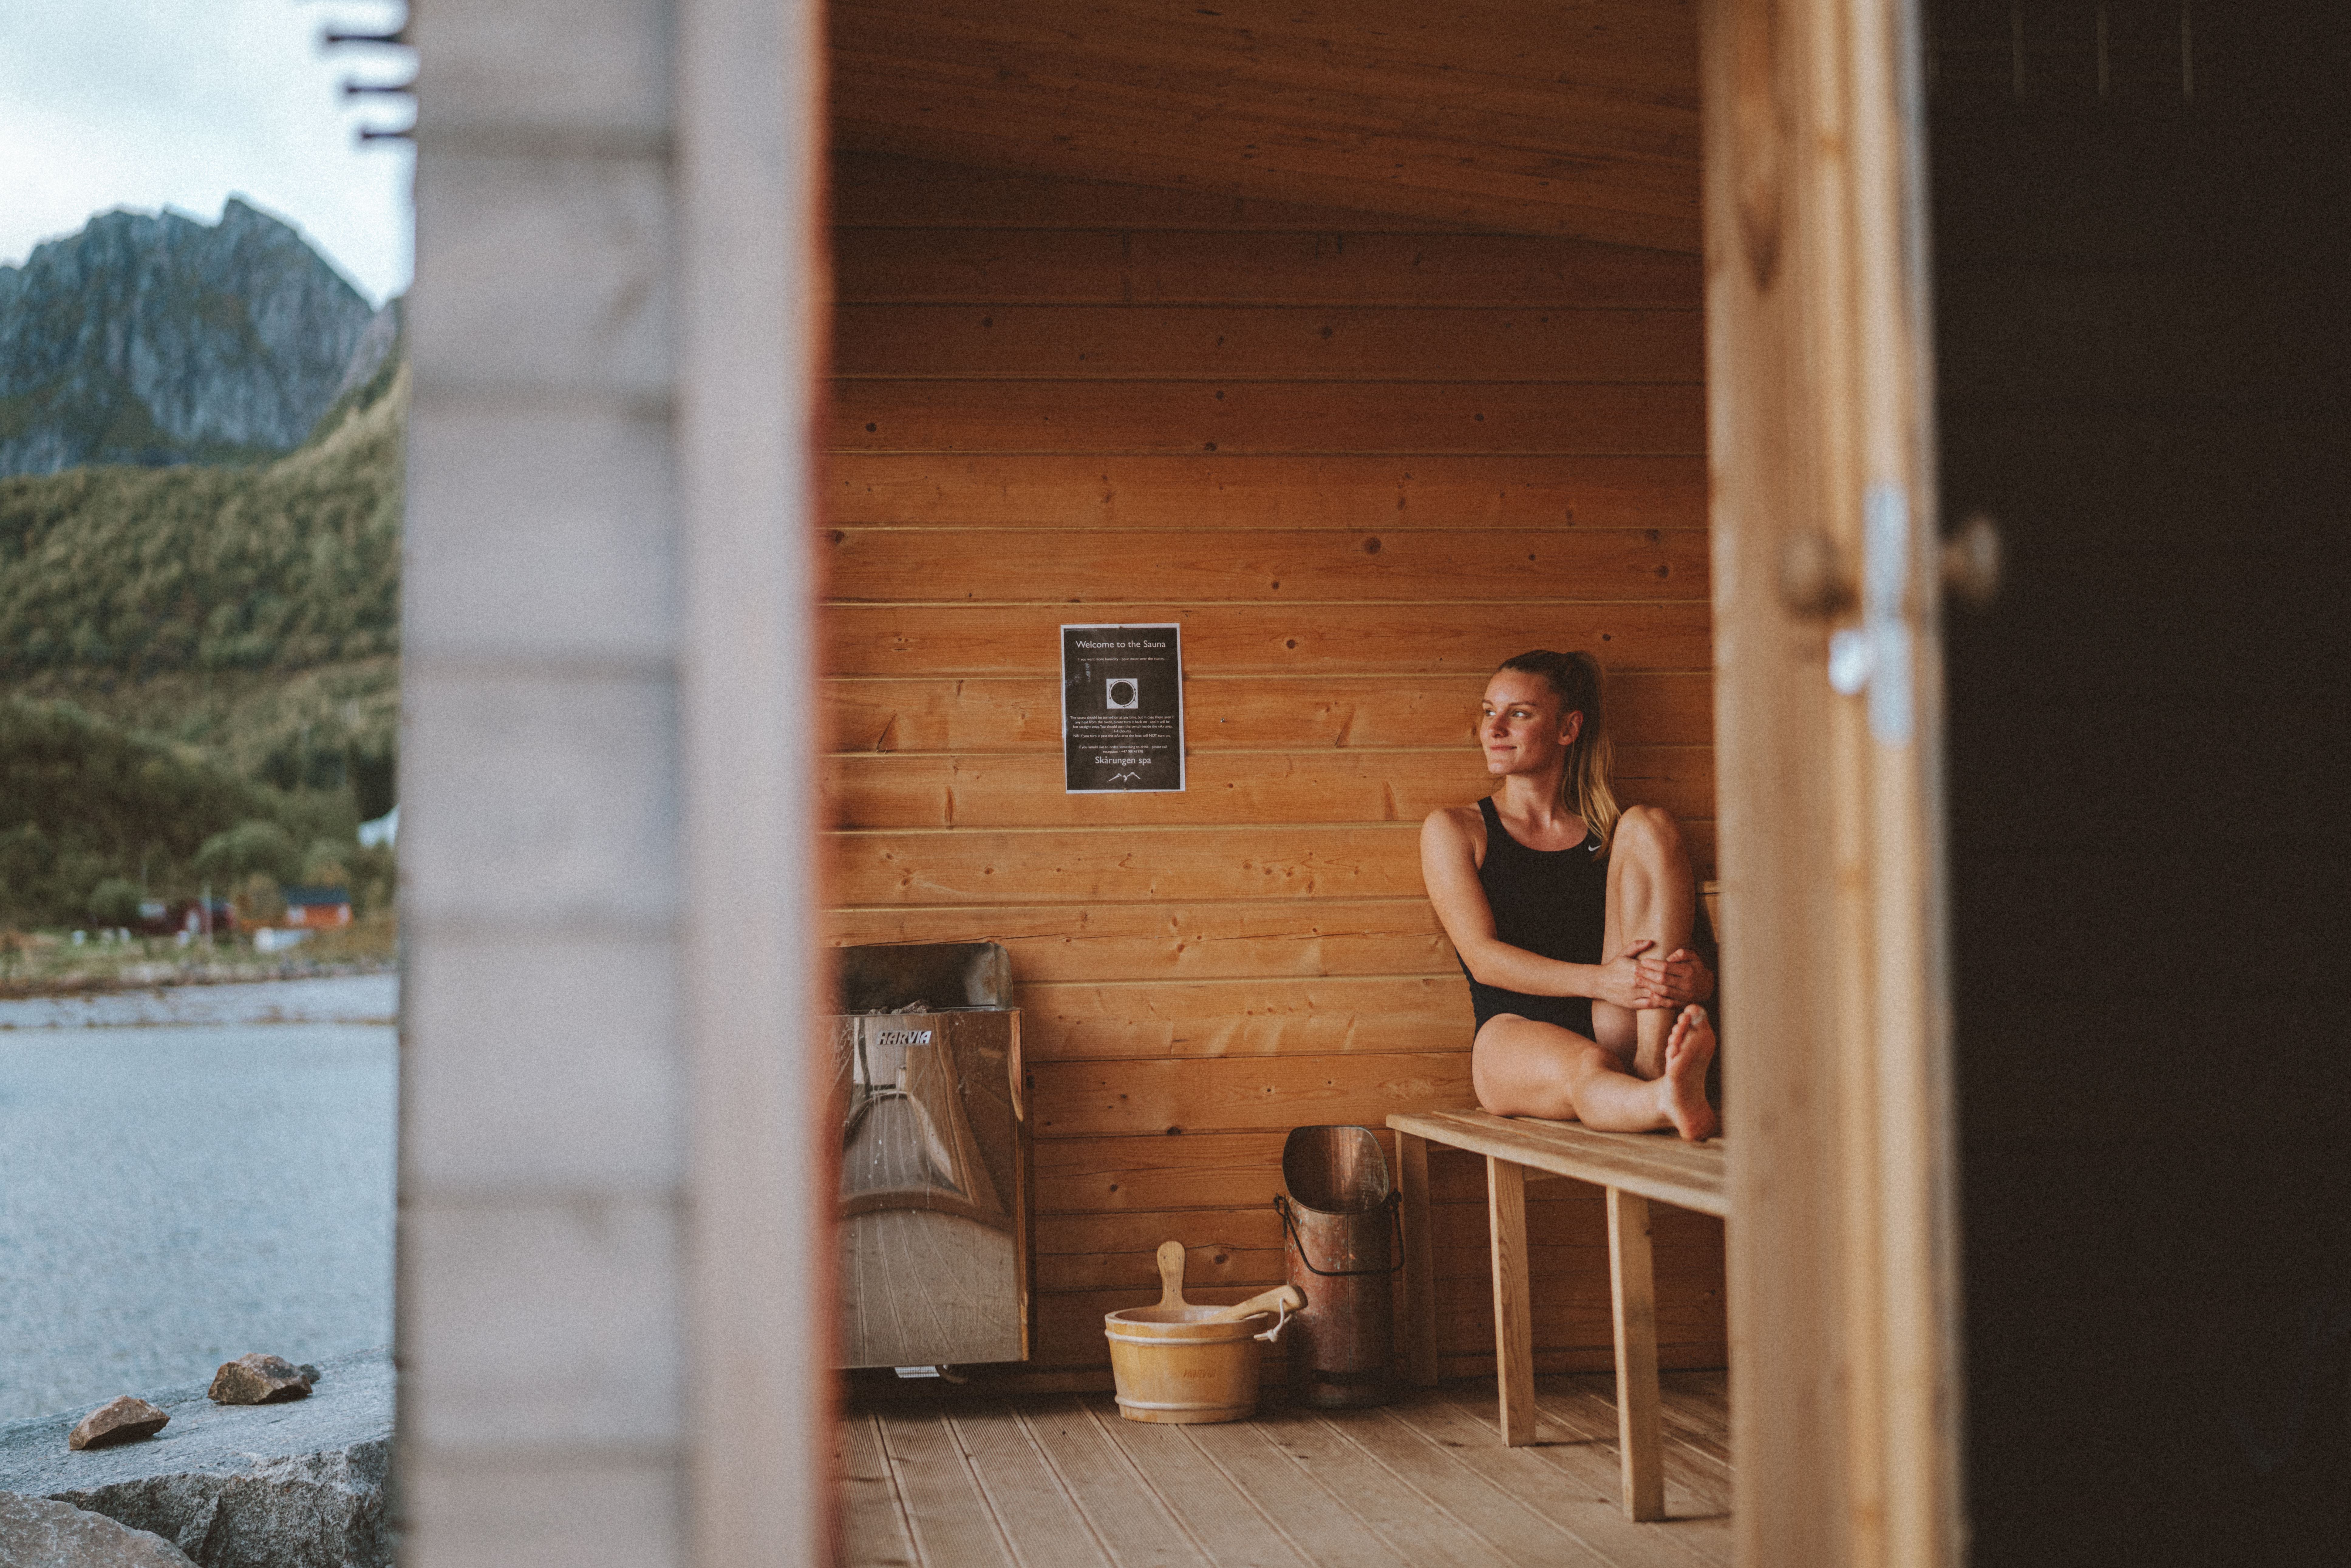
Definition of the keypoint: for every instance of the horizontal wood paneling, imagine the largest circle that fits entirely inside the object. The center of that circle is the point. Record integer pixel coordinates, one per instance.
(1264, 1017)
(982, 866)
(1118, 1252)
(1284, 490)
(1169, 416)
(1097, 147)
(881, 191)
(1023, 789)
(1198, 1170)
(1245, 1247)
(1069, 1325)
(898, 566)
(1201, 971)
(1292, 938)
(1266, 343)
(1239, 1170)
(1537, 122)
(1038, 267)
(1253, 713)
(1080, 1099)
(1273, 639)
(1631, 65)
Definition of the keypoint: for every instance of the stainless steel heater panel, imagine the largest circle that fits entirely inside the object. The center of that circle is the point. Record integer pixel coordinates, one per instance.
(933, 1219)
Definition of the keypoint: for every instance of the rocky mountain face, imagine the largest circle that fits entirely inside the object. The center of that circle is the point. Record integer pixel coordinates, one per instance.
(154, 340)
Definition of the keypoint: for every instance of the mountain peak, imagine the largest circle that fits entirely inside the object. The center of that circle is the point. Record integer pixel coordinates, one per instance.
(157, 339)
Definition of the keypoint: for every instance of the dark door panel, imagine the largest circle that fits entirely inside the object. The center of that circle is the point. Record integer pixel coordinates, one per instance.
(2144, 339)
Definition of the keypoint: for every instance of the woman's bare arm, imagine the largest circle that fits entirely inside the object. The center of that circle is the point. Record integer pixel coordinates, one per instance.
(1448, 868)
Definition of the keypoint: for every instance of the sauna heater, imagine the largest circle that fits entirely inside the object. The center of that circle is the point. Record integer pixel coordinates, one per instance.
(934, 1231)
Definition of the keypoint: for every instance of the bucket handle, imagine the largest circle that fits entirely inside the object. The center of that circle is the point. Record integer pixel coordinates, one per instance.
(1282, 1317)
(1289, 1229)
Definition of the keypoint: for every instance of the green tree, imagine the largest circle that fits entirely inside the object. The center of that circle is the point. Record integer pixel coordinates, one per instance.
(114, 902)
(82, 799)
(324, 864)
(249, 849)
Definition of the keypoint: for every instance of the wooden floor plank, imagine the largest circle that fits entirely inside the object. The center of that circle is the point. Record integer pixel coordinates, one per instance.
(1713, 1386)
(1317, 1525)
(1574, 1484)
(953, 1524)
(1127, 1517)
(1061, 1481)
(1584, 1409)
(1225, 1520)
(1464, 1499)
(1696, 1430)
(1698, 1413)
(1366, 1488)
(874, 1530)
(1033, 1508)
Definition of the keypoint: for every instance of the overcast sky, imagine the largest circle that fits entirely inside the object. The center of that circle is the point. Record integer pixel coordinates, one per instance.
(178, 103)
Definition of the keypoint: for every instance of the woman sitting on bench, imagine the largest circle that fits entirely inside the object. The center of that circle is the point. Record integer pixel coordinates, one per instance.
(1556, 898)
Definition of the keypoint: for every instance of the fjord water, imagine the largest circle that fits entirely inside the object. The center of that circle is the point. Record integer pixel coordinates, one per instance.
(189, 1175)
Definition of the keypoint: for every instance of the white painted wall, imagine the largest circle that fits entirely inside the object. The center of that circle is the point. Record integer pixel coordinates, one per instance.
(610, 1276)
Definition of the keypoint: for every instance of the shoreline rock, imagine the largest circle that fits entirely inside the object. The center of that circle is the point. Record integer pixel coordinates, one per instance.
(58, 1535)
(260, 1379)
(125, 1418)
(298, 1484)
(306, 1511)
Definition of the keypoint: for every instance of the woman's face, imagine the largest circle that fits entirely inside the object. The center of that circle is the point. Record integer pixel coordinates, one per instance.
(1521, 725)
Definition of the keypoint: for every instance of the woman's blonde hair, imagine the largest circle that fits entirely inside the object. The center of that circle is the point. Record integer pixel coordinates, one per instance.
(1576, 678)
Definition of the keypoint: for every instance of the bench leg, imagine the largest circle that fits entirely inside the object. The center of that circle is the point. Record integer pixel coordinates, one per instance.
(1632, 1292)
(1419, 1263)
(1514, 1336)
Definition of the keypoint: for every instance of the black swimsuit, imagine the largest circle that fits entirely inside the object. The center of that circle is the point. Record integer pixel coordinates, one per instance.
(1553, 902)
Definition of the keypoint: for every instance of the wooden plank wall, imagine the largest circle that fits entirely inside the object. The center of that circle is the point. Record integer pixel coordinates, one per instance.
(1361, 461)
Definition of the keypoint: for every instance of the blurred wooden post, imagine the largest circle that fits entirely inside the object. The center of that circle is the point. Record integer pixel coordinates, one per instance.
(1842, 1298)
(613, 1301)
(755, 314)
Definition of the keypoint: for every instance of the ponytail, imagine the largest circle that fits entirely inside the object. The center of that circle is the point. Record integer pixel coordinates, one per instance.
(1576, 678)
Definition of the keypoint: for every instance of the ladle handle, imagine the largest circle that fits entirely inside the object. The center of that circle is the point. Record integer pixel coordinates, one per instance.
(1171, 1273)
(1282, 1297)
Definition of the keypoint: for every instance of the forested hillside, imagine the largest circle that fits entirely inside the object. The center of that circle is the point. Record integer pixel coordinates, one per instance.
(141, 571)
(225, 642)
(98, 816)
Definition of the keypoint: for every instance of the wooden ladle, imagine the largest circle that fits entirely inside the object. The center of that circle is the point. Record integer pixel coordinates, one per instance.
(1171, 1292)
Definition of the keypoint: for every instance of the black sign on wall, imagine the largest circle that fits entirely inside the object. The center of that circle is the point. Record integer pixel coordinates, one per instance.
(1122, 708)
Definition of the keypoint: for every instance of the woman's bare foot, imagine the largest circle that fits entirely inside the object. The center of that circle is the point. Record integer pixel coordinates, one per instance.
(1689, 1049)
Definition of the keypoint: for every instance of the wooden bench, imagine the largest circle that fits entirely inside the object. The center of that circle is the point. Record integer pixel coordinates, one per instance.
(1635, 1167)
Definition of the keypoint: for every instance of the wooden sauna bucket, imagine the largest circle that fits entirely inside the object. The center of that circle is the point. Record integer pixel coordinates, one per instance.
(1182, 1365)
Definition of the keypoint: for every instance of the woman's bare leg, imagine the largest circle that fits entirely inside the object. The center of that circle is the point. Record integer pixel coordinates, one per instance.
(1651, 895)
(1521, 1067)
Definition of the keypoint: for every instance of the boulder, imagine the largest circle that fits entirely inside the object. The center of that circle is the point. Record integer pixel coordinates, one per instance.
(259, 1379)
(286, 1485)
(311, 1510)
(33, 1529)
(125, 1419)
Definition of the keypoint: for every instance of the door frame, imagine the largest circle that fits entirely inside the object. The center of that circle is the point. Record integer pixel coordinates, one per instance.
(1844, 1378)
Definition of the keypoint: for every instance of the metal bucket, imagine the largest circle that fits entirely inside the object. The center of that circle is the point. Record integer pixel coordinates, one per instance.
(1339, 1226)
